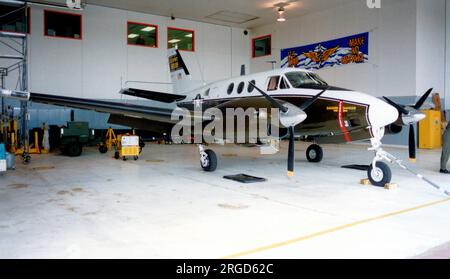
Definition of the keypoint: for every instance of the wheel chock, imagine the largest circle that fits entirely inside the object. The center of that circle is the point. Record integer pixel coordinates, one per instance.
(391, 186)
(365, 182)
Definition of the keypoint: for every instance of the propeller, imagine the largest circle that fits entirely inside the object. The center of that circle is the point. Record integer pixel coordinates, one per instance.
(290, 117)
(410, 115)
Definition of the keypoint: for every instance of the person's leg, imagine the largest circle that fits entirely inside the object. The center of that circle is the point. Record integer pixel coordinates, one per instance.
(445, 150)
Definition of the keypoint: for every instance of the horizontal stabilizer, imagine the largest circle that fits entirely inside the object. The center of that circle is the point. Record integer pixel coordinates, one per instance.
(153, 95)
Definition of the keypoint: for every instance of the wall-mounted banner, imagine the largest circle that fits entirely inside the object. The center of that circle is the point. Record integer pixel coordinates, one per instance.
(348, 50)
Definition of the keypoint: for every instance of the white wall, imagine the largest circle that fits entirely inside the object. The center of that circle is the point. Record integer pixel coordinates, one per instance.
(98, 66)
(431, 40)
(396, 44)
(447, 75)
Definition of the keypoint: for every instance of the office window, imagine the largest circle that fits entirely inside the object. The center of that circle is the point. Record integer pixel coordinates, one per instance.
(63, 25)
(181, 39)
(15, 19)
(140, 34)
(262, 46)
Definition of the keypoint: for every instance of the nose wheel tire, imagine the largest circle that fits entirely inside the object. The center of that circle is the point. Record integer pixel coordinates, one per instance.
(380, 175)
(208, 161)
(314, 154)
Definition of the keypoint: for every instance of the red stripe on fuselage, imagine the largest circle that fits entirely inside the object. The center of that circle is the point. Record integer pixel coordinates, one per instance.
(341, 121)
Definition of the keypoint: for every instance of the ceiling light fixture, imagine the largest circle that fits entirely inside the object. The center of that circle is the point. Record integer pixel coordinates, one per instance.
(188, 35)
(281, 17)
(148, 29)
(174, 41)
(132, 36)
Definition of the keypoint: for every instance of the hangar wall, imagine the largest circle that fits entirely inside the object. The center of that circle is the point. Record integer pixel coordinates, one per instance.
(447, 74)
(403, 33)
(100, 64)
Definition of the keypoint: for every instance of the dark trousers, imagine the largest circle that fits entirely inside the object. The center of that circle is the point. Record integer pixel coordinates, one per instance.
(446, 149)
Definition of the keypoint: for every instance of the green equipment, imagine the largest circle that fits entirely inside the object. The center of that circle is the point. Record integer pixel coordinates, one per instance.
(74, 137)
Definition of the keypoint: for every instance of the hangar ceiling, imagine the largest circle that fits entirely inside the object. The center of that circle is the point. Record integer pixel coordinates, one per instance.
(237, 13)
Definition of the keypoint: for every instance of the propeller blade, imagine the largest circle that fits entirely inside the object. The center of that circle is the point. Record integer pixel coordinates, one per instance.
(269, 98)
(291, 155)
(412, 144)
(400, 108)
(313, 100)
(423, 99)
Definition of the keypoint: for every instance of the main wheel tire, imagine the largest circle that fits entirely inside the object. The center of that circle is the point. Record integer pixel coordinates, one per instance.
(117, 155)
(74, 150)
(103, 149)
(381, 175)
(314, 154)
(208, 161)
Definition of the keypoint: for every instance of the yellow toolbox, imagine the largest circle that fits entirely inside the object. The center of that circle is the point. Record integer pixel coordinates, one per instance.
(430, 130)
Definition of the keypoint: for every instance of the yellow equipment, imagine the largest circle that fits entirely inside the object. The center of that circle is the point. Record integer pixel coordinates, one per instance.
(111, 139)
(430, 131)
(127, 146)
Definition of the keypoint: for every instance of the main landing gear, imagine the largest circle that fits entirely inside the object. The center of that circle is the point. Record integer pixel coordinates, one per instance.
(208, 159)
(314, 154)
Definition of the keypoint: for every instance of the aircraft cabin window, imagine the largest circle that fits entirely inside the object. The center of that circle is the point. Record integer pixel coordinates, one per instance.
(250, 86)
(284, 84)
(305, 80)
(241, 87)
(230, 88)
(273, 83)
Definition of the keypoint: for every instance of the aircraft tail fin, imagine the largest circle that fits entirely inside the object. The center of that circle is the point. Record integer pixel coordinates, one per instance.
(179, 73)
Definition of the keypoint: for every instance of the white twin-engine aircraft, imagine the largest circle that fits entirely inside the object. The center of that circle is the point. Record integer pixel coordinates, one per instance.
(309, 109)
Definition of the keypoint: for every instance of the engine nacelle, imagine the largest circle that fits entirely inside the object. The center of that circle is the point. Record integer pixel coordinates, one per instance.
(393, 129)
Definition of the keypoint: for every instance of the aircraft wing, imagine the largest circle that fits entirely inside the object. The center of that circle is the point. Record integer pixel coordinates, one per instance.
(155, 114)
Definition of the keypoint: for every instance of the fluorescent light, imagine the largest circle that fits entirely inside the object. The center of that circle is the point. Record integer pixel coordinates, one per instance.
(189, 35)
(174, 41)
(132, 36)
(148, 29)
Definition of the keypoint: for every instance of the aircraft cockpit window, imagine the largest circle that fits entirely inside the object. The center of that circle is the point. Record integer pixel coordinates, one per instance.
(305, 79)
(273, 83)
(284, 84)
(240, 87)
(250, 86)
(230, 89)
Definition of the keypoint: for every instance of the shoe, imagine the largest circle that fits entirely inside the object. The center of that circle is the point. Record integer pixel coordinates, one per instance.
(445, 171)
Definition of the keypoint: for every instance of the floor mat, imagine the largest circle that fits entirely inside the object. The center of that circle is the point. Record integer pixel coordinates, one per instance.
(244, 178)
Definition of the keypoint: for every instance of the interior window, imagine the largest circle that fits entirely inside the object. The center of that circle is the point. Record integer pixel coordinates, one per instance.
(63, 25)
(262, 46)
(141, 34)
(181, 39)
(273, 83)
(284, 84)
(14, 19)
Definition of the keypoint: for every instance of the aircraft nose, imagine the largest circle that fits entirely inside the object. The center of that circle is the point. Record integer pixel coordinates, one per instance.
(382, 114)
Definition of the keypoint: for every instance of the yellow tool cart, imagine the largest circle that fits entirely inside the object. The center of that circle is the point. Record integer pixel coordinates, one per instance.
(430, 130)
(127, 146)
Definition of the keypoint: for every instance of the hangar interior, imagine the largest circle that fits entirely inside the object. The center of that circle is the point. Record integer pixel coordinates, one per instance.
(163, 205)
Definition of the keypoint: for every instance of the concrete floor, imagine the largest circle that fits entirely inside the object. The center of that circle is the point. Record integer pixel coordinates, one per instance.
(163, 206)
